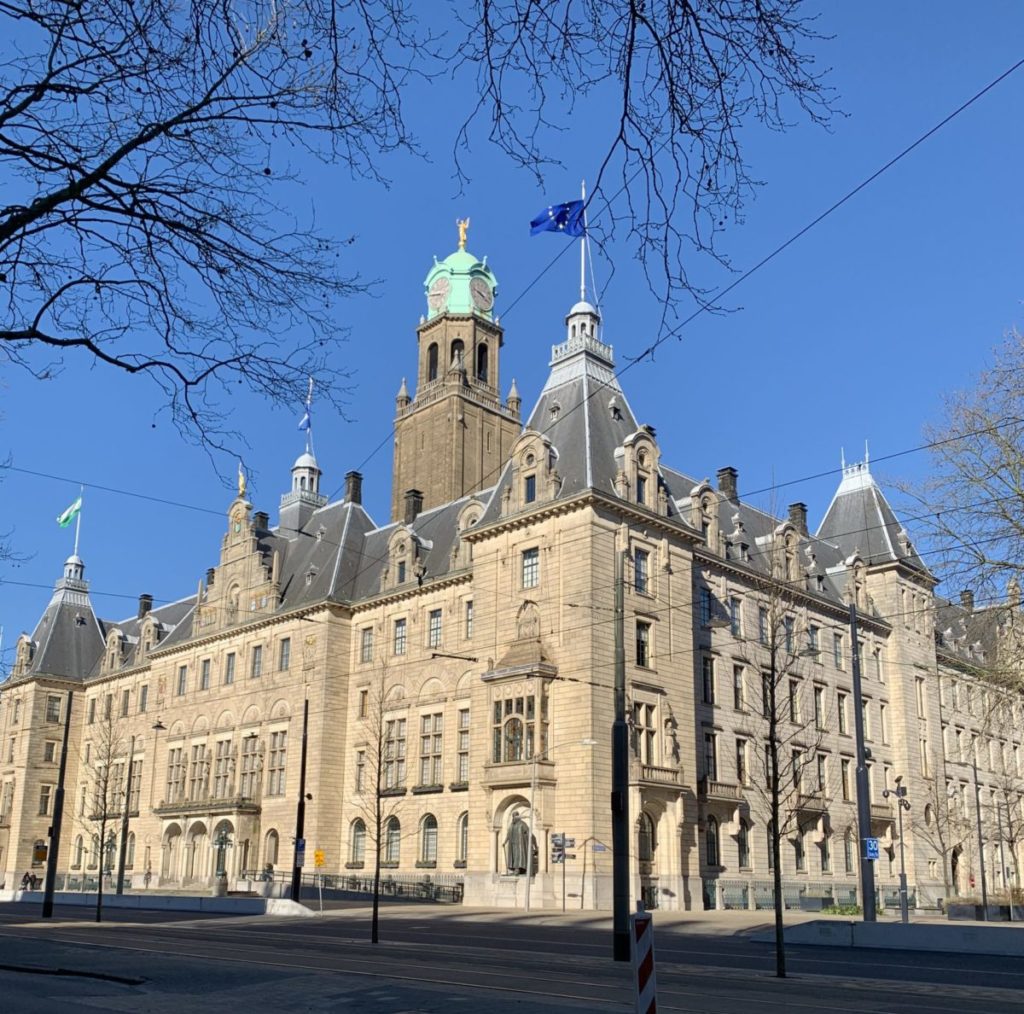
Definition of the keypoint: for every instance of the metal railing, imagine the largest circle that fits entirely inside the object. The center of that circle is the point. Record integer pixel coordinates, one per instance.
(446, 888)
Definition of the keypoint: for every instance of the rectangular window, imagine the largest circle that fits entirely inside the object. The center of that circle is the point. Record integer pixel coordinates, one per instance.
(394, 753)
(879, 669)
(837, 650)
(462, 772)
(53, 708)
(735, 616)
(284, 654)
(707, 666)
(360, 770)
(45, 798)
(643, 644)
(469, 620)
(199, 778)
(530, 489)
(143, 698)
(531, 567)
(794, 701)
(848, 853)
(867, 718)
(844, 776)
(126, 697)
(401, 572)
(711, 756)
(50, 751)
(645, 732)
(739, 695)
(741, 761)
(822, 772)
(278, 763)
(222, 770)
(819, 707)
(175, 774)
(108, 707)
(883, 721)
(10, 750)
(257, 661)
(814, 641)
(229, 668)
(92, 711)
(399, 641)
(366, 644)
(766, 695)
(204, 674)
(796, 761)
(430, 749)
(182, 680)
(134, 786)
(925, 766)
(364, 703)
(799, 854)
(787, 626)
(705, 601)
(641, 489)
(514, 728)
(641, 571)
(248, 782)
(841, 709)
(434, 628)
(762, 625)
(919, 695)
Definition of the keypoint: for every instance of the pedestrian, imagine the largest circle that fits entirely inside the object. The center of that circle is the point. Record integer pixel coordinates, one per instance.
(26, 880)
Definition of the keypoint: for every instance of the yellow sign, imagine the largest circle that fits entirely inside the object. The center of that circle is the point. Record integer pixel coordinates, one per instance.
(318, 858)
(39, 853)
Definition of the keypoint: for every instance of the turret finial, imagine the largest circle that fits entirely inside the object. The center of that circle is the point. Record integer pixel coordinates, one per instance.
(463, 227)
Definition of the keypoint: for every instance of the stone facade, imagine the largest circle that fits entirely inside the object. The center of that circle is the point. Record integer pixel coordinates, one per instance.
(461, 658)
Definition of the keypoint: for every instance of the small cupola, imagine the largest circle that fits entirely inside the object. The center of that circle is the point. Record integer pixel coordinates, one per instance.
(305, 474)
(583, 321)
(74, 568)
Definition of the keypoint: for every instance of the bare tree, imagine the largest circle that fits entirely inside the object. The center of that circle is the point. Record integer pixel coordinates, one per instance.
(380, 777)
(972, 503)
(943, 826)
(108, 769)
(144, 141)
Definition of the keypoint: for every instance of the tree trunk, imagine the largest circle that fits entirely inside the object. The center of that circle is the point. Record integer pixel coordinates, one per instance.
(773, 722)
(99, 866)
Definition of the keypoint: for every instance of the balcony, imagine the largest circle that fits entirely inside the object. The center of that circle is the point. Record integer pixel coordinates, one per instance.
(712, 791)
(211, 807)
(812, 802)
(651, 774)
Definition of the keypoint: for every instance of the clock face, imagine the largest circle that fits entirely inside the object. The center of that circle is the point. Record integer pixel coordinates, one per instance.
(437, 298)
(483, 297)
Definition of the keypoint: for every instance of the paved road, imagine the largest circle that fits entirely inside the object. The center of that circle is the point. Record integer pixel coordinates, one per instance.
(440, 959)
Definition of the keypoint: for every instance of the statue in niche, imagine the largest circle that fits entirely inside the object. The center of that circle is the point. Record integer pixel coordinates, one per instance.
(517, 845)
(528, 622)
(672, 738)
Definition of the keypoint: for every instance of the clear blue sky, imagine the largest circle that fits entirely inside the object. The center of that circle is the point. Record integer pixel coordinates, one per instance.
(853, 334)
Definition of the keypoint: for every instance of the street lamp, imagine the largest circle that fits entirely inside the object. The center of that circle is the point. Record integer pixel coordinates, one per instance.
(900, 795)
(538, 754)
(122, 858)
(222, 843)
(981, 841)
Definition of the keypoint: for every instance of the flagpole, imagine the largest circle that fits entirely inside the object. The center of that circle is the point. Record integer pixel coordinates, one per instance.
(583, 245)
(78, 517)
(309, 428)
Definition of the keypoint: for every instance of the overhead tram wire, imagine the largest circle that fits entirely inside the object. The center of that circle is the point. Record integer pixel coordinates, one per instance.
(650, 349)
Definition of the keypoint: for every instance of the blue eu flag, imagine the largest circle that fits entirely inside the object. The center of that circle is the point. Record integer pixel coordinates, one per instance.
(565, 218)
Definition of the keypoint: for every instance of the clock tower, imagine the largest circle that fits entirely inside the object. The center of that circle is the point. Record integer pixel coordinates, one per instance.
(453, 436)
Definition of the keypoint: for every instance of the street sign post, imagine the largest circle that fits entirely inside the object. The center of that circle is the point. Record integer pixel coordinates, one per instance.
(318, 862)
(300, 852)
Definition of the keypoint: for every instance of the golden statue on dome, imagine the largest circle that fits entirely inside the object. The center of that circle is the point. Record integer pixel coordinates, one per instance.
(463, 226)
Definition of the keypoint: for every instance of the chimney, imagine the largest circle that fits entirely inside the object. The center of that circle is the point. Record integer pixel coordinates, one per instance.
(211, 573)
(261, 521)
(798, 517)
(413, 505)
(967, 599)
(353, 487)
(145, 604)
(727, 482)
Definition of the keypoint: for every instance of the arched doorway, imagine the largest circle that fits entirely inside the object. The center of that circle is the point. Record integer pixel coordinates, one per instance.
(171, 853)
(197, 852)
(954, 869)
(224, 848)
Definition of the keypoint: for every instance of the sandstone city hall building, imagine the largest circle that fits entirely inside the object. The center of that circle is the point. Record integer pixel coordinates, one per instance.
(455, 663)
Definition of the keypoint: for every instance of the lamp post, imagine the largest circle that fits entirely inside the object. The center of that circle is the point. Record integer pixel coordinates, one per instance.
(981, 842)
(620, 776)
(222, 843)
(300, 813)
(58, 816)
(902, 803)
(867, 871)
(537, 755)
(122, 857)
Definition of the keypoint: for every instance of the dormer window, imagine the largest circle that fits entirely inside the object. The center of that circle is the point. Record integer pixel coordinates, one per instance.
(530, 489)
(641, 489)
(401, 572)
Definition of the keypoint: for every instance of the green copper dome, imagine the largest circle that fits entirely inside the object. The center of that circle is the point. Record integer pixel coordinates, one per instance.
(460, 284)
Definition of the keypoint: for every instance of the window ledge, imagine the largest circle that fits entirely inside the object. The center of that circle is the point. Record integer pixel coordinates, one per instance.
(459, 864)
(424, 790)
(426, 864)
(355, 866)
(389, 865)
(458, 787)
(399, 790)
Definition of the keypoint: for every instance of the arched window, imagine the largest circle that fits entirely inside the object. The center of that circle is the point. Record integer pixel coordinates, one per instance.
(129, 852)
(78, 853)
(432, 361)
(428, 839)
(771, 846)
(458, 353)
(743, 846)
(647, 842)
(357, 852)
(462, 838)
(799, 855)
(94, 853)
(270, 847)
(711, 842)
(848, 850)
(481, 363)
(393, 841)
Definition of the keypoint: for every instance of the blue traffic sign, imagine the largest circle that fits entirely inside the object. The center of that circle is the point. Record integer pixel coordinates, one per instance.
(870, 848)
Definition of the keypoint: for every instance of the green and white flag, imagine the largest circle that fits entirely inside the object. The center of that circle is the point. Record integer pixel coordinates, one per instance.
(70, 514)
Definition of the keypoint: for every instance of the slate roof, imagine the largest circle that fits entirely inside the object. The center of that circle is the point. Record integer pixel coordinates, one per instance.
(860, 520)
(68, 636)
